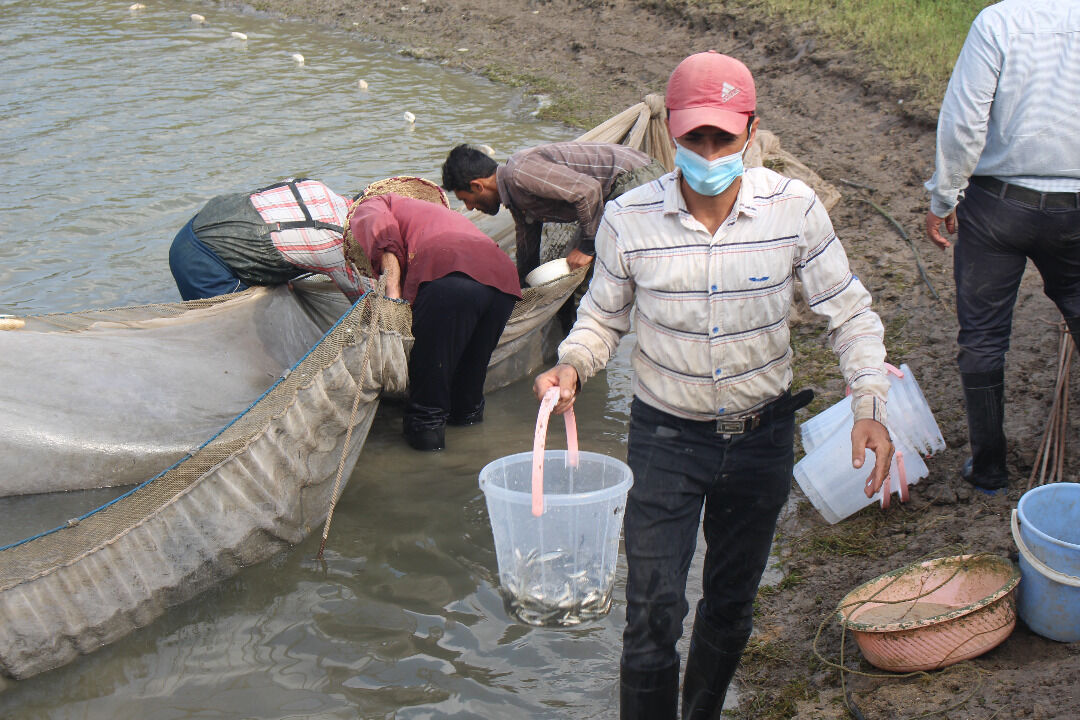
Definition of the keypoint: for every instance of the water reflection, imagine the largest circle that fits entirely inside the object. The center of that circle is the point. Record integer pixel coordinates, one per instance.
(118, 126)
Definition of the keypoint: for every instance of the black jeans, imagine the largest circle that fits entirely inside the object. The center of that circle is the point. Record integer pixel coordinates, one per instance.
(996, 238)
(743, 482)
(456, 324)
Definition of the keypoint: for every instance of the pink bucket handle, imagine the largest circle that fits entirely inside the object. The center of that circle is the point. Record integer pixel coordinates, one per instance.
(551, 398)
(901, 483)
(902, 480)
(889, 370)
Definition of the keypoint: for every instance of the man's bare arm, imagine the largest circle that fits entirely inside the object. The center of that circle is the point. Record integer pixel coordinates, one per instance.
(392, 271)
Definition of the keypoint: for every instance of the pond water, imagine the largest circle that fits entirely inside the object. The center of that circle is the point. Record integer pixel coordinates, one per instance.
(118, 125)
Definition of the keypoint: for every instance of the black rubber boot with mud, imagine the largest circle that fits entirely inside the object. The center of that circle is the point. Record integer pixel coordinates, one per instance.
(650, 695)
(984, 394)
(710, 666)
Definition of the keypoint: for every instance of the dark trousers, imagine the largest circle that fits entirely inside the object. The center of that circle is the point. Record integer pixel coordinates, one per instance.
(996, 238)
(743, 482)
(198, 272)
(456, 323)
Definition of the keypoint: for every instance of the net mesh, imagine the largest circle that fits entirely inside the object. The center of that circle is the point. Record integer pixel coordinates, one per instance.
(63, 547)
(59, 606)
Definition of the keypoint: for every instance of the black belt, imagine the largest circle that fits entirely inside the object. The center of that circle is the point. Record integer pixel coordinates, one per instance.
(1019, 193)
(781, 407)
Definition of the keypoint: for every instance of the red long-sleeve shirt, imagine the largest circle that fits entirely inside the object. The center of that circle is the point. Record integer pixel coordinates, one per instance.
(429, 242)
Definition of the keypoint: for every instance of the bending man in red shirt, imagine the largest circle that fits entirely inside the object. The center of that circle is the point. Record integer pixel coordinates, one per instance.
(462, 288)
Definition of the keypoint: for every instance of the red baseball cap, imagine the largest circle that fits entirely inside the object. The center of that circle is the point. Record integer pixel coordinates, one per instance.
(709, 88)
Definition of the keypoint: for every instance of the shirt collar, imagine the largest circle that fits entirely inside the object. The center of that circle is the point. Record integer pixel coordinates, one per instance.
(745, 202)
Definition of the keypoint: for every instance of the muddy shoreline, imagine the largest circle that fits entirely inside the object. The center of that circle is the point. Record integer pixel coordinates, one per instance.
(595, 58)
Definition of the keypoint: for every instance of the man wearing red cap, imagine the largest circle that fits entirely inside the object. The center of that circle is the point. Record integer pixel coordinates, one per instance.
(706, 258)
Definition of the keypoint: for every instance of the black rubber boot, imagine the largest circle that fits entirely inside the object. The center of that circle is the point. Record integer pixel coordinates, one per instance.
(649, 695)
(472, 417)
(424, 428)
(426, 439)
(984, 394)
(710, 667)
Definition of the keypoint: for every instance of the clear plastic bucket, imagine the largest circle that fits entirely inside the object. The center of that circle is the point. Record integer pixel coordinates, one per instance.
(910, 419)
(558, 568)
(836, 489)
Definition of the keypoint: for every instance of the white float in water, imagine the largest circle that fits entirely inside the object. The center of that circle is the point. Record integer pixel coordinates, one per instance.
(409, 117)
(238, 35)
(362, 84)
(136, 6)
(197, 18)
(298, 58)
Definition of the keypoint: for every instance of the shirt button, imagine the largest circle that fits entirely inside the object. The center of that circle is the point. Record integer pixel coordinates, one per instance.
(714, 287)
(718, 371)
(716, 329)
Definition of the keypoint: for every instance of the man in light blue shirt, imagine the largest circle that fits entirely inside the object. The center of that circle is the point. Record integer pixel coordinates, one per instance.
(1007, 178)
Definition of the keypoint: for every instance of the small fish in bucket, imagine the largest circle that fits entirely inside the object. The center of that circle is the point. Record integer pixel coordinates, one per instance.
(556, 516)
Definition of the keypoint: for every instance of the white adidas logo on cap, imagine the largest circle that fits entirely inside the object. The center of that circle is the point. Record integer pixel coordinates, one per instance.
(728, 91)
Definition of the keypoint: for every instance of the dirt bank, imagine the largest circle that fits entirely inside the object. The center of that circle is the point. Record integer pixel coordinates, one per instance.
(596, 57)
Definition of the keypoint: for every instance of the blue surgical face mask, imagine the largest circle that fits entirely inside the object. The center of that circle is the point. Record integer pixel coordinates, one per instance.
(709, 177)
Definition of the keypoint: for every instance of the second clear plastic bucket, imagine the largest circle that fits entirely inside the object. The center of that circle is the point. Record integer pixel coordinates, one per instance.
(558, 568)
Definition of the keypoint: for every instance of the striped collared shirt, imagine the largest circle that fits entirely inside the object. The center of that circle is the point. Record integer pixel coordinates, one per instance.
(318, 249)
(561, 182)
(712, 311)
(1010, 110)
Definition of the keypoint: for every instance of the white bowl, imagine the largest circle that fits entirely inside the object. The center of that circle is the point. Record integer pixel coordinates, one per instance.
(547, 272)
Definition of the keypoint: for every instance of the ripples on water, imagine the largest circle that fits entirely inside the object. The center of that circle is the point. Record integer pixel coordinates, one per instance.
(117, 127)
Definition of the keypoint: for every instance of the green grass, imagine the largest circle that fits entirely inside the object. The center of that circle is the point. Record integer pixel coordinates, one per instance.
(914, 41)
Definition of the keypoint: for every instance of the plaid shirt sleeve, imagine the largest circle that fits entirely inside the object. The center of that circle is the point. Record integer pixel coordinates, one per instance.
(856, 333)
(546, 182)
(604, 312)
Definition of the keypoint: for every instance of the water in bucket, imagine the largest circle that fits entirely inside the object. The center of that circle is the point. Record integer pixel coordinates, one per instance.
(556, 517)
(558, 568)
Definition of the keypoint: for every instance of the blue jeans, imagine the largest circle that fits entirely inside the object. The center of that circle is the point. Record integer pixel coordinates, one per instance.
(743, 481)
(995, 239)
(198, 272)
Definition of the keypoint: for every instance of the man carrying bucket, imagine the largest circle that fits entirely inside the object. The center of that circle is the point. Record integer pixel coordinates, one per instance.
(708, 256)
(1007, 176)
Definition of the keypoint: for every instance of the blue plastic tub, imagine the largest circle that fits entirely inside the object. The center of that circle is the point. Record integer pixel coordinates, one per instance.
(1046, 528)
